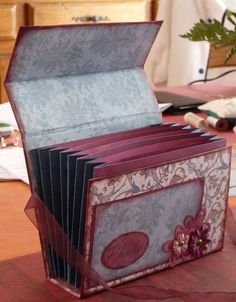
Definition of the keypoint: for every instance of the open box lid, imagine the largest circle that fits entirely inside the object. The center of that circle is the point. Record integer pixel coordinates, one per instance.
(75, 81)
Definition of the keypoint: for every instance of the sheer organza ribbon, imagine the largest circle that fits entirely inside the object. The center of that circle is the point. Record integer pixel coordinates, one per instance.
(52, 233)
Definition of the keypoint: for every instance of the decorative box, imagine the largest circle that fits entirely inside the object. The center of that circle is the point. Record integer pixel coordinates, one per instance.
(132, 194)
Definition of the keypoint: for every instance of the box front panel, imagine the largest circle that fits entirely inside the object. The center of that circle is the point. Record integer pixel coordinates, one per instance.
(179, 206)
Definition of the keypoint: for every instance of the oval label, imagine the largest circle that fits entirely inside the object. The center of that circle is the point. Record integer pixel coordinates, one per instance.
(125, 250)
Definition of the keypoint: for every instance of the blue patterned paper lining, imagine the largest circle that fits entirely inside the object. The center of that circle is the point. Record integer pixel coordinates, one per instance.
(52, 52)
(62, 109)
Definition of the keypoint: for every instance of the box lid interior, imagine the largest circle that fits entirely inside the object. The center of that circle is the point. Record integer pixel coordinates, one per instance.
(70, 82)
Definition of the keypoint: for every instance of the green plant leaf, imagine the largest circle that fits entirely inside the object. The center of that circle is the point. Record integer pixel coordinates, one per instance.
(215, 33)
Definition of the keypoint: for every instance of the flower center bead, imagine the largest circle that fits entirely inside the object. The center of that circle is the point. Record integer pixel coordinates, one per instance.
(181, 242)
(199, 242)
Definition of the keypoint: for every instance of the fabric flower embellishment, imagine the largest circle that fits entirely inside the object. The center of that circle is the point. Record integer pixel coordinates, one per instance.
(178, 247)
(191, 239)
(199, 241)
(192, 223)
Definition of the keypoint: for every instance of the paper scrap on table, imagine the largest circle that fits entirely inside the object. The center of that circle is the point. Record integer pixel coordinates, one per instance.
(164, 106)
(7, 116)
(12, 164)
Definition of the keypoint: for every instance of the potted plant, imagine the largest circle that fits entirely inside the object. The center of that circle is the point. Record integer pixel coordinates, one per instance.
(218, 35)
